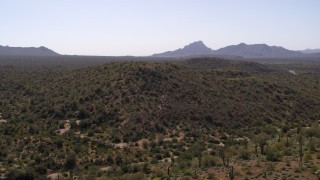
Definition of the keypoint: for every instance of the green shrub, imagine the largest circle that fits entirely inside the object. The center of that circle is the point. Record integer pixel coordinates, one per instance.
(244, 154)
(135, 176)
(212, 176)
(273, 154)
(210, 161)
(70, 161)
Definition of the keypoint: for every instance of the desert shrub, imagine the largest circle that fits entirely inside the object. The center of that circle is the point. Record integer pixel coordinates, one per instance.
(91, 133)
(145, 144)
(2, 152)
(312, 145)
(109, 160)
(261, 140)
(307, 156)
(210, 161)
(312, 132)
(27, 174)
(158, 156)
(154, 161)
(40, 169)
(59, 143)
(118, 160)
(244, 154)
(135, 176)
(159, 174)
(146, 168)
(287, 151)
(270, 167)
(182, 164)
(70, 161)
(273, 154)
(212, 176)
(153, 144)
(270, 130)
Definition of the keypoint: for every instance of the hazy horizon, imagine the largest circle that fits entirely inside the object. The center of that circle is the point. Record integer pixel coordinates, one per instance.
(143, 27)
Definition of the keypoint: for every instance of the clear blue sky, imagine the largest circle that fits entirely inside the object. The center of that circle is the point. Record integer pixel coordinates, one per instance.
(144, 27)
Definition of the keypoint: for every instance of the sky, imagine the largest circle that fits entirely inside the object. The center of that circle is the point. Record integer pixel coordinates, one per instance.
(145, 27)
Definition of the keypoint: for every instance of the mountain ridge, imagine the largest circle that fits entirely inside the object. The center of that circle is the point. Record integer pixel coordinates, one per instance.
(242, 50)
(257, 51)
(26, 51)
(310, 51)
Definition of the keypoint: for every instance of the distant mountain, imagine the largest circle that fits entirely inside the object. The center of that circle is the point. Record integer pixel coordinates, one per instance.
(258, 51)
(26, 51)
(192, 49)
(310, 51)
(240, 51)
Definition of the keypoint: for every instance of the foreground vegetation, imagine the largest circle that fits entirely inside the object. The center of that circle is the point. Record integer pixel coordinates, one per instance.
(198, 118)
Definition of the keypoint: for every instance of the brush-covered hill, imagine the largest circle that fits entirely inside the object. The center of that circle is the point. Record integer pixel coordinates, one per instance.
(137, 120)
(129, 101)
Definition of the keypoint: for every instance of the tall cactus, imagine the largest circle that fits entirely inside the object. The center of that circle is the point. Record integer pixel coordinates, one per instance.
(300, 149)
(199, 158)
(171, 165)
(231, 173)
(222, 155)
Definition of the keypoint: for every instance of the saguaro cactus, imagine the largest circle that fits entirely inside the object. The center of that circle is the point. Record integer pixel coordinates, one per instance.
(199, 158)
(222, 155)
(300, 149)
(231, 173)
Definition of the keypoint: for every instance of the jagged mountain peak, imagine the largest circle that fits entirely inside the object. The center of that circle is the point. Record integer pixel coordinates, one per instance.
(197, 47)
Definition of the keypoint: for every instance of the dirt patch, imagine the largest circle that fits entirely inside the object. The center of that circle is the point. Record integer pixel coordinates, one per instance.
(106, 169)
(121, 145)
(66, 128)
(292, 72)
(54, 176)
(3, 121)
